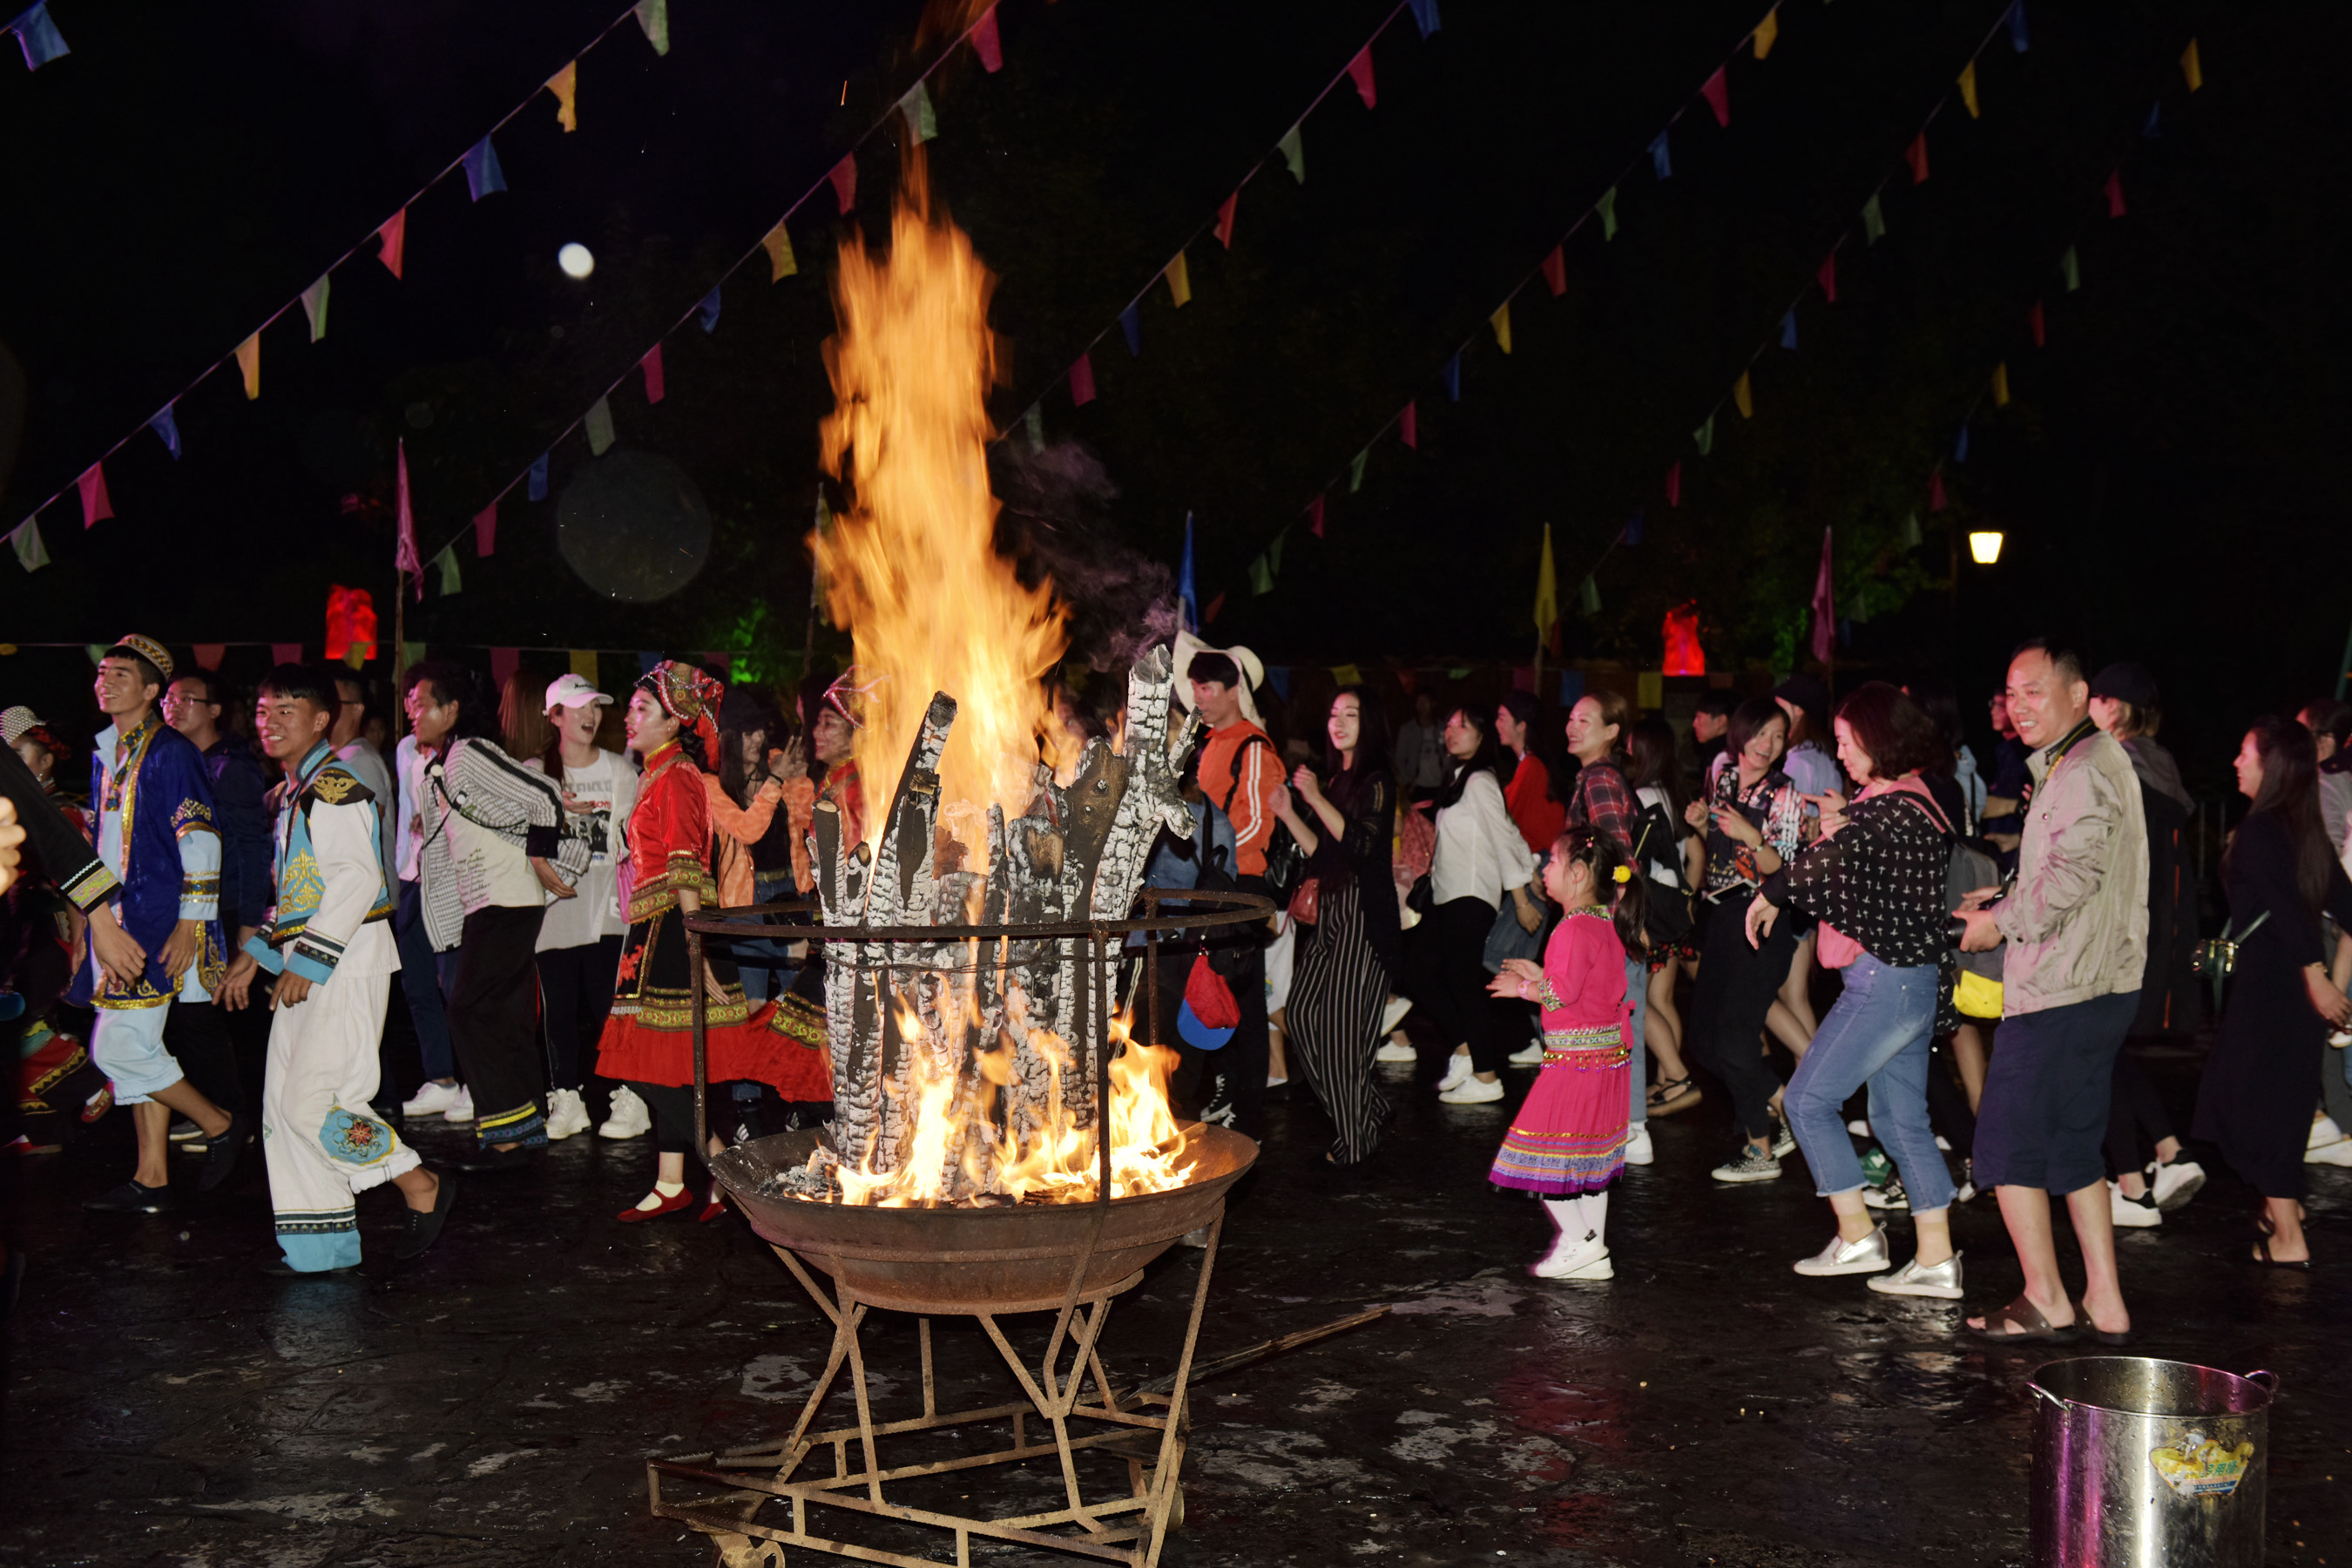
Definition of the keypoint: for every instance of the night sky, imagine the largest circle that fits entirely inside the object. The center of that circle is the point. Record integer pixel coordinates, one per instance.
(2166, 470)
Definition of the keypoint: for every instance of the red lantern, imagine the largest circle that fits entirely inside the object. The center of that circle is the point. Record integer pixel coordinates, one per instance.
(350, 622)
(1684, 656)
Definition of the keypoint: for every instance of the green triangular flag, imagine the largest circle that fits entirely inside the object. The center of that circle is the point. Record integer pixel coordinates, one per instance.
(653, 15)
(31, 554)
(1261, 579)
(1034, 422)
(1294, 152)
(1607, 205)
(1873, 224)
(1589, 596)
(411, 655)
(599, 425)
(1704, 436)
(2072, 267)
(1356, 471)
(1910, 529)
(448, 561)
(1274, 550)
(921, 123)
(314, 305)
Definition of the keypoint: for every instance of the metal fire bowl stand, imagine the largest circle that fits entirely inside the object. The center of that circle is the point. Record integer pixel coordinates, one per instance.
(1069, 1260)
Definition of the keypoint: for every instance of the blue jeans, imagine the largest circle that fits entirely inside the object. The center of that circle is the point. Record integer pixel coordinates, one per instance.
(1877, 1034)
(423, 977)
(1637, 991)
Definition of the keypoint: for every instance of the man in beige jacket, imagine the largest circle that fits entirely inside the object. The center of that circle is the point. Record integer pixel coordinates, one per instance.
(2076, 925)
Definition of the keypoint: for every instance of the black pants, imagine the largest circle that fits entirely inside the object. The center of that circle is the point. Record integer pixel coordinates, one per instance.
(1447, 974)
(1735, 986)
(1947, 1103)
(575, 995)
(2136, 1109)
(197, 1034)
(494, 1024)
(673, 1111)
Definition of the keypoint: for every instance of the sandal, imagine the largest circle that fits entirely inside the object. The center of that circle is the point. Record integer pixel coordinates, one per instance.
(2263, 1231)
(2021, 1322)
(2083, 1321)
(1670, 1095)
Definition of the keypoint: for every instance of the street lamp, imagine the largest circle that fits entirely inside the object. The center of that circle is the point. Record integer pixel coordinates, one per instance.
(1984, 547)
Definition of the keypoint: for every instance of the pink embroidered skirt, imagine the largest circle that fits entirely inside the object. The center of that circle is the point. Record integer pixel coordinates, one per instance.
(1569, 1137)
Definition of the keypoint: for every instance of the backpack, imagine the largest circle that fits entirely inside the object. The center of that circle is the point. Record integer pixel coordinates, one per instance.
(1285, 862)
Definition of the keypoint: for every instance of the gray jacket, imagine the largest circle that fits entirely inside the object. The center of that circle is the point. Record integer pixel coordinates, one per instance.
(2077, 920)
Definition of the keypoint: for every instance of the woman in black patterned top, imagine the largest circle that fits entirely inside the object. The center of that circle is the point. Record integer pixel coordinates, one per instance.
(1875, 881)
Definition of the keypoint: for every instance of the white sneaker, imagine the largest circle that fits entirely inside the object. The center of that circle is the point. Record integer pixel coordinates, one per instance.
(1587, 1262)
(1457, 1067)
(1528, 1055)
(2337, 1153)
(1394, 1050)
(2323, 1130)
(1470, 1091)
(1859, 1127)
(630, 1119)
(567, 1116)
(2132, 1213)
(1940, 1144)
(1393, 1013)
(1750, 1164)
(432, 1100)
(2176, 1183)
(1867, 1256)
(461, 1109)
(1637, 1147)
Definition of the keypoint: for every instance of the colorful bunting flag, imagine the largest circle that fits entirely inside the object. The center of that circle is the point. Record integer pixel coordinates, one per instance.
(504, 662)
(1662, 157)
(1936, 500)
(1910, 530)
(1424, 15)
(653, 16)
(1452, 373)
(1409, 427)
(1209, 615)
(923, 121)
(1261, 577)
(564, 84)
(166, 426)
(1314, 517)
(1742, 398)
(38, 36)
(1717, 91)
(1632, 530)
(1674, 484)
(2017, 39)
(2115, 193)
(1361, 71)
(843, 176)
(248, 362)
(1347, 675)
(1916, 156)
(1704, 436)
(2070, 266)
(1130, 321)
(1873, 226)
(583, 663)
(1555, 273)
(486, 530)
(95, 506)
(1969, 90)
(403, 551)
(1082, 382)
(2192, 69)
(1501, 321)
(2033, 320)
(1179, 282)
(1188, 597)
(537, 483)
(210, 654)
(598, 424)
(1226, 220)
(1547, 607)
(314, 305)
(392, 240)
(710, 309)
(1789, 330)
(986, 44)
(1033, 422)
(285, 653)
(1826, 275)
(1356, 470)
(1767, 32)
(2001, 384)
(1294, 152)
(1607, 208)
(1960, 444)
(652, 366)
(1824, 603)
(1588, 596)
(447, 564)
(2152, 126)
(781, 262)
(483, 174)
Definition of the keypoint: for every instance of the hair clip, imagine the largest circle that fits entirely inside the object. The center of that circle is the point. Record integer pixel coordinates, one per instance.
(1625, 874)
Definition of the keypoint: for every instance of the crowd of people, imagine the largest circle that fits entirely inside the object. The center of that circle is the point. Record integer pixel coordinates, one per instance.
(1479, 884)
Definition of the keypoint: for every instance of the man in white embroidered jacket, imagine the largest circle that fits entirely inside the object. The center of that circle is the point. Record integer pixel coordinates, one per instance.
(329, 941)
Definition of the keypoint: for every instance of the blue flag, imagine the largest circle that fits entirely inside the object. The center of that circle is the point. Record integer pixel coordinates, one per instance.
(2150, 128)
(483, 174)
(710, 311)
(1789, 330)
(1130, 321)
(1960, 447)
(1424, 15)
(1661, 158)
(1187, 602)
(538, 478)
(41, 41)
(2017, 39)
(1278, 676)
(1453, 373)
(167, 424)
(1633, 527)
(647, 659)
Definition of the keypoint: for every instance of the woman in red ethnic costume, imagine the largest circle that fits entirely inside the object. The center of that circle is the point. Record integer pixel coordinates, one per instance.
(649, 1041)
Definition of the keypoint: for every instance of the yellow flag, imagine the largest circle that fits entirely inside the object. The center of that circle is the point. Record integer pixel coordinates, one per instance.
(563, 84)
(1546, 591)
(1501, 321)
(1742, 398)
(781, 262)
(583, 664)
(1767, 32)
(248, 359)
(1650, 689)
(1969, 90)
(1347, 675)
(2192, 69)
(2001, 384)
(1179, 281)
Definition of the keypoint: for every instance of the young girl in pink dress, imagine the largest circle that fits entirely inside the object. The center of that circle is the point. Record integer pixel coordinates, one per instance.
(1567, 1142)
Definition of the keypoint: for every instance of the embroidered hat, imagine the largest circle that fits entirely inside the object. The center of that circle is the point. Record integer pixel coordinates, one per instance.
(689, 694)
(574, 690)
(17, 722)
(147, 648)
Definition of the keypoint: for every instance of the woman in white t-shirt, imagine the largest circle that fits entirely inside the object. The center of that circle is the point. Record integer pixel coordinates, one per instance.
(578, 954)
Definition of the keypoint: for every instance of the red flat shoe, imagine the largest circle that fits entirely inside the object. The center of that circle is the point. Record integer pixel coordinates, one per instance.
(668, 1205)
(712, 1209)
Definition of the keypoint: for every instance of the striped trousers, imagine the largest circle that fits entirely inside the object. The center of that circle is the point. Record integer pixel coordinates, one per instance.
(1338, 986)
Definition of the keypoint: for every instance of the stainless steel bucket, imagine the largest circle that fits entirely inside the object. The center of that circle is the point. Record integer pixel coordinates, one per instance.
(2140, 1463)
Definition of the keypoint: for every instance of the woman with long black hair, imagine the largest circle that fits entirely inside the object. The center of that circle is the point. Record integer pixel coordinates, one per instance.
(2279, 875)
(1667, 856)
(1479, 863)
(1346, 959)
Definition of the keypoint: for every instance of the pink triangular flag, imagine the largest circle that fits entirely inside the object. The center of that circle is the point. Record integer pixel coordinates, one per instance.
(210, 654)
(486, 530)
(1936, 500)
(1674, 485)
(94, 504)
(504, 662)
(1360, 68)
(394, 236)
(844, 181)
(1082, 382)
(1717, 93)
(986, 44)
(652, 366)
(1226, 221)
(285, 653)
(1314, 517)
(1409, 425)
(2033, 319)
(2115, 193)
(1824, 606)
(1555, 272)
(1827, 277)
(1916, 156)
(1211, 613)
(404, 557)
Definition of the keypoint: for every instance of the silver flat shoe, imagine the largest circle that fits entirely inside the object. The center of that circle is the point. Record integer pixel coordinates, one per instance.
(1867, 1256)
(1942, 1281)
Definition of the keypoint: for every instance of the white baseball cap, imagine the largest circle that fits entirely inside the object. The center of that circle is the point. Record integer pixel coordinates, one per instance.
(574, 691)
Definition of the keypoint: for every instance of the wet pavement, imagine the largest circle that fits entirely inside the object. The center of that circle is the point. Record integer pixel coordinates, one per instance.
(496, 1402)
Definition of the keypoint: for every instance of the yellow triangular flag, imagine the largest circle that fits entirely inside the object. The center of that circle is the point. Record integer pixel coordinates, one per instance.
(1347, 675)
(781, 262)
(563, 84)
(1741, 398)
(583, 664)
(1969, 90)
(1501, 321)
(2191, 68)
(1179, 281)
(1767, 32)
(248, 359)
(1546, 590)
(2001, 384)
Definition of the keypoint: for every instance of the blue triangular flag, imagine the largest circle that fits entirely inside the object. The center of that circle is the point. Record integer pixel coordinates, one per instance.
(1633, 527)
(1661, 159)
(1278, 676)
(483, 174)
(1130, 321)
(1187, 602)
(167, 425)
(2150, 128)
(648, 658)
(2017, 26)
(1453, 373)
(538, 478)
(710, 311)
(1845, 631)
(42, 42)
(1960, 447)
(1789, 330)
(1424, 14)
